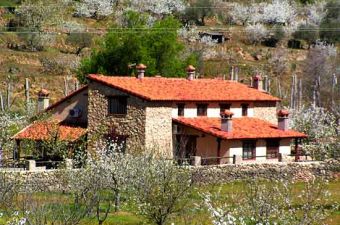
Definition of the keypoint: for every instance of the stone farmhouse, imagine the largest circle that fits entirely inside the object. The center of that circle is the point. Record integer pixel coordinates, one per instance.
(215, 119)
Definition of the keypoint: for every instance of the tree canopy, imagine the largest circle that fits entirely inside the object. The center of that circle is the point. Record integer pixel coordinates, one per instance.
(157, 47)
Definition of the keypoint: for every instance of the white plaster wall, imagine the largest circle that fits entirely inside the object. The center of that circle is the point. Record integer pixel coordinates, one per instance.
(190, 110)
(174, 112)
(213, 110)
(207, 146)
(261, 150)
(285, 147)
(236, 108)
(235, 148)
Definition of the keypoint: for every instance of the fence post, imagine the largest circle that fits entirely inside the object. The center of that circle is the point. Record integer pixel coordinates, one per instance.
(238, 159)
(234, 159)
(280, 157)
(2, 105)
(27, 93)
(196, 160)
(31, 165)
(69, 163)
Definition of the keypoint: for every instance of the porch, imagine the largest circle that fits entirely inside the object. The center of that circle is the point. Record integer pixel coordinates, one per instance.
(199, 148)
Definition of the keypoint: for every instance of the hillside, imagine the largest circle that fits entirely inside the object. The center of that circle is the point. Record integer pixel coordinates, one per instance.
(62, 49)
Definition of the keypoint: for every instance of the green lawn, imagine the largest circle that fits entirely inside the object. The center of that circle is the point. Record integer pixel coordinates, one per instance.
(191, 216)
(8, 2)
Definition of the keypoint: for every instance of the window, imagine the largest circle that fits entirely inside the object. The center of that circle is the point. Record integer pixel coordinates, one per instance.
(244, 109)
(202, 109)
(118, 105)
(181, 109)
(224, 107)
(249, 149)
(273, 146)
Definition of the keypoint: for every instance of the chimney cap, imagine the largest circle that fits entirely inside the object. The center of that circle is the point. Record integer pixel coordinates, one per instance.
(257, 77)
(43, 93)
(191, 68)
(283, 113)
(227, 113)
(141, 66)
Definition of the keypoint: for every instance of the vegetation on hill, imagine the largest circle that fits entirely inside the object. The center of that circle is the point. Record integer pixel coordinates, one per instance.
(157, 47)
(293, 43)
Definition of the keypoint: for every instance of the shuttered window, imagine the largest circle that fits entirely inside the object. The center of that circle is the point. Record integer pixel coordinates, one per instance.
(224, 107)
(117, 105)
(249, 150)
(273, 146)
(202, 109)
(181, 109)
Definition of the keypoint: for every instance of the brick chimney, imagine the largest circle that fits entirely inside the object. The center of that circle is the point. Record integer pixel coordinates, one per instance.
(257, 82)
(140, 70)
(283, 120)
(226, 121)
(43, 100)
(191, 72)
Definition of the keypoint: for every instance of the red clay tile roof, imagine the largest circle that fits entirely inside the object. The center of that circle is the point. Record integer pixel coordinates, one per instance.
(180, 89)
(243, 128)
(42, 130)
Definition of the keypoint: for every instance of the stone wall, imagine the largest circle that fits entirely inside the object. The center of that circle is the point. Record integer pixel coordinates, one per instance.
(297, 171)
(158, 128)
(147, 125)
(56, 180)
(48, 180)
(100, 122)
(266, 111)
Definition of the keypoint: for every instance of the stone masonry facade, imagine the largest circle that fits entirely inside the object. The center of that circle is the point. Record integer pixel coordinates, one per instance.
(158, 128)
(101, 123)
(147, 125)
(266, 111)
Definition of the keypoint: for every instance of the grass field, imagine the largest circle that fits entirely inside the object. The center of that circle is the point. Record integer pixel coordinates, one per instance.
(191, 215)
(8, 2)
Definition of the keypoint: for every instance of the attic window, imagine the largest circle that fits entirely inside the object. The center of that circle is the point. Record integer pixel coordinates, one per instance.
(245, 109)
(117, 105)
(202, 109)
(181, 109)
(224, 107)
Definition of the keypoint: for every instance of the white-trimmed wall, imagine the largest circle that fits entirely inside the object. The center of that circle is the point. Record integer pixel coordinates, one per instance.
(207, 147)
(190, 110)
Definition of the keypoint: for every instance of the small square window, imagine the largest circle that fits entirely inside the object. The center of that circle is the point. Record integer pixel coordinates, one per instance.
(245, 109)
(117, 105)
(181, 107)
(202, 109)
(224, 107)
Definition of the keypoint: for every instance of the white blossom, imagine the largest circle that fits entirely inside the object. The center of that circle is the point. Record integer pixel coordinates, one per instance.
(94, 8)
(320, 126)
(158, 7)
(256, 33)
(316, 13)
(245, 14)
(279, 11)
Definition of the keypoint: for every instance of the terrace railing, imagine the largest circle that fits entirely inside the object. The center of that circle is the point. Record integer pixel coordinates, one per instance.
(196, 160)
